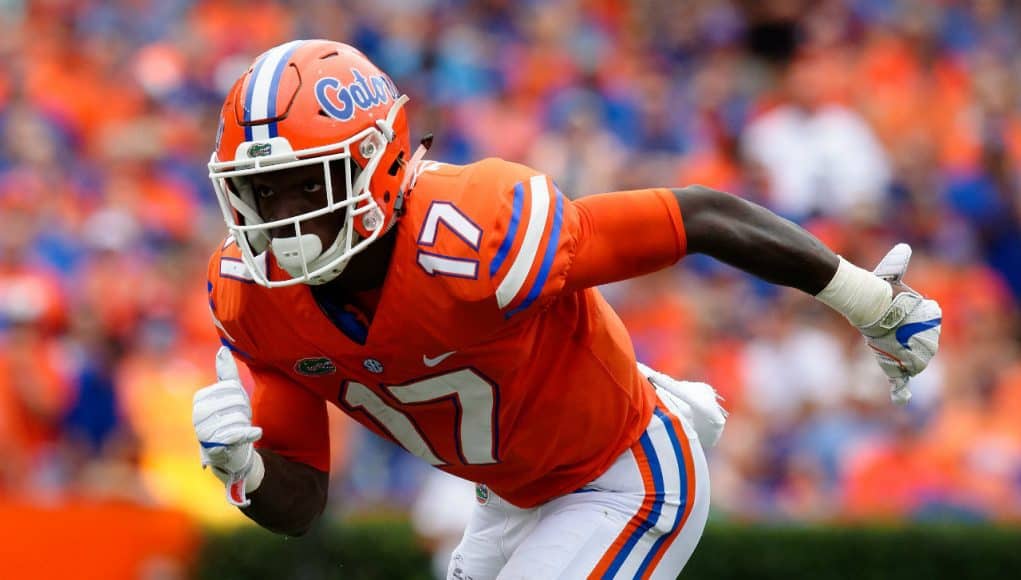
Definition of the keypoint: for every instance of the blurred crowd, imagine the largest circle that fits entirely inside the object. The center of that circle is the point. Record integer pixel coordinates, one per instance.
(867, 121)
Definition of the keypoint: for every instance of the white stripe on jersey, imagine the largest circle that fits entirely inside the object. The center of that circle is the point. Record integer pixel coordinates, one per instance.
(232, 268)
(518, 273)
(261, 93)
(238, 270)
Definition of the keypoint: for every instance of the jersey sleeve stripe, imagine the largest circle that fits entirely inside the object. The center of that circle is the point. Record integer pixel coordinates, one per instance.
(235, 269)
(512, 230)
(522, 265)
(547, 260)
(225, 342)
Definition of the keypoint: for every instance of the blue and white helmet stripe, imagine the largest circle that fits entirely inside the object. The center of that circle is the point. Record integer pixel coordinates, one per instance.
(261, 96)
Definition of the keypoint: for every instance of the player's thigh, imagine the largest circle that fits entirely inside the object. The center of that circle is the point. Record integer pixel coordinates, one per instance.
(642, 518)
(494, 531)
(567, 542)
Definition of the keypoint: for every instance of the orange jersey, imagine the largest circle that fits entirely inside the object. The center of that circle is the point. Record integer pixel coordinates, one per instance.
(488, 355)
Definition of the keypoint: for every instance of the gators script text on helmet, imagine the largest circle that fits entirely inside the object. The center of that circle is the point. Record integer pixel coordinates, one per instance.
(303, 103)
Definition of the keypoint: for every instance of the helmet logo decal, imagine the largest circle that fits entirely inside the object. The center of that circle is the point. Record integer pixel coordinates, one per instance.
(259, 150)
(340, 101)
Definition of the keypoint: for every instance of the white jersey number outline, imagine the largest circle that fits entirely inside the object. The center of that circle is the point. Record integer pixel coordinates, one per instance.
(461, 226)
(474, 399)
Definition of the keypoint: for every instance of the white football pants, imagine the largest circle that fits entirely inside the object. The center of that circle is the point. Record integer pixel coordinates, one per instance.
(640, 519)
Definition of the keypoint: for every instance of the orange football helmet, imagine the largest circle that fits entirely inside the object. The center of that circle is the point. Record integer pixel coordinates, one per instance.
(302, 103)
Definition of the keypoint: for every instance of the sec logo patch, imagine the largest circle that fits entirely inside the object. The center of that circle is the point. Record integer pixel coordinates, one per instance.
(372, 365)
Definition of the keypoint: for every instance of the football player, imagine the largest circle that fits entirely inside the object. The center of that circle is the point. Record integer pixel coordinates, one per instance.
(452, 310)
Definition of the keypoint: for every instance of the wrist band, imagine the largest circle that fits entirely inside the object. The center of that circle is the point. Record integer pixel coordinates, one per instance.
(858, 294)
(254, 478)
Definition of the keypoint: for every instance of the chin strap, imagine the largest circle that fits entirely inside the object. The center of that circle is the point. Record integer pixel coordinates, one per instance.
(411, 170)
(387, 125)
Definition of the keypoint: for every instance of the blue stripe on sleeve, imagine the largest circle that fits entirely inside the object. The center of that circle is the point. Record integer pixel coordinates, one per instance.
(547, 260)
(512, 230)
(234, 349)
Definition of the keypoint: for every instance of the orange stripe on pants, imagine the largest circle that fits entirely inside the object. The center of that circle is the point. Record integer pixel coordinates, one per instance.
(643, 513)
(689, 500)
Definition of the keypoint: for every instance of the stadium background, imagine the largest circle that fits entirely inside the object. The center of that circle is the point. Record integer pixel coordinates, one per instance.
(867, 121)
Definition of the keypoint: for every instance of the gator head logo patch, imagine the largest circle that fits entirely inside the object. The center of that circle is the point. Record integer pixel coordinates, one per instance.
(259, 150)
(481, 493)
(315, 366)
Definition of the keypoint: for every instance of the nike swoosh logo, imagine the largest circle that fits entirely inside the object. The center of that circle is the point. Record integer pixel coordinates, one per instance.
(905, 332)
(431, 362)
(211, 444)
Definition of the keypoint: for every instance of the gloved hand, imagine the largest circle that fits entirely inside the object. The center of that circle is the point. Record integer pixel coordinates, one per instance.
(222, 416)
(906, 336)
(707, 417)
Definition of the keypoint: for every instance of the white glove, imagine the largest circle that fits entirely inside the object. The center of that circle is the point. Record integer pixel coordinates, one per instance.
(906, 336)
(707, 417)
(222, 415)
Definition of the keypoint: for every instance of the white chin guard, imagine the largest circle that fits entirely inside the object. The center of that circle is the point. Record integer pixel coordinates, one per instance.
(295, 254)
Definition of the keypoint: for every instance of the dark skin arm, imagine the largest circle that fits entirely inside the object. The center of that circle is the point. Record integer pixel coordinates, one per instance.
(754, 239)
(292, 495)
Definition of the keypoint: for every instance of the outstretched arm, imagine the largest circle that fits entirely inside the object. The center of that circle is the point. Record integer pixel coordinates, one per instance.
(754, 239)
(902, 330)
(629, 233)
(626, 234)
